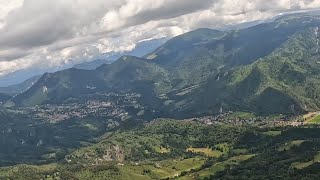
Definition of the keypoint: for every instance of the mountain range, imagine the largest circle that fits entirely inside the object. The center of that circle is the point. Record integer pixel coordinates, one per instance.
(208, 104)
(19, 88)
(268, 68)
(141, 49)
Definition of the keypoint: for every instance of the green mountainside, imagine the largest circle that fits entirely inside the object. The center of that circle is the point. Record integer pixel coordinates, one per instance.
(128, 74)
(287, 80)
(56, 87)
(292, 71)
(204, 71)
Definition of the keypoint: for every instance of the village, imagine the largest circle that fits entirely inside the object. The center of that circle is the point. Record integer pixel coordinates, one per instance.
(111, 106)
(122, 106)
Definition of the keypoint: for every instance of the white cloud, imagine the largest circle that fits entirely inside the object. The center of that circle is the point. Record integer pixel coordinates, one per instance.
(6, 6)
(47, 34)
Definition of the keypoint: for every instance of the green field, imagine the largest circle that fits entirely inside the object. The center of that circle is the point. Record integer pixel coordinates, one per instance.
(208, 152)
(315, 120)
(146, 170)
(272, 133)
(161, 149)
(288, 145)
(302, 165)
(239, 151)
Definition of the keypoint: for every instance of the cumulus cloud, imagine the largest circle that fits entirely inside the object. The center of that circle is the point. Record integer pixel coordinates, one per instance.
(50, 34)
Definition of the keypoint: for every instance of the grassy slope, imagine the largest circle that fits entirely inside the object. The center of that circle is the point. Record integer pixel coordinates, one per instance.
(315, 120)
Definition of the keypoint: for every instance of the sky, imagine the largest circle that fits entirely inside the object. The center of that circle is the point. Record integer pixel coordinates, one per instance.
(43, 34)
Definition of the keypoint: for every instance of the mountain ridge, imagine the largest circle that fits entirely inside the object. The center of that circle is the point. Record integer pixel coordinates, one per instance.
(140, 50)
(206, 70)
(19, 88)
